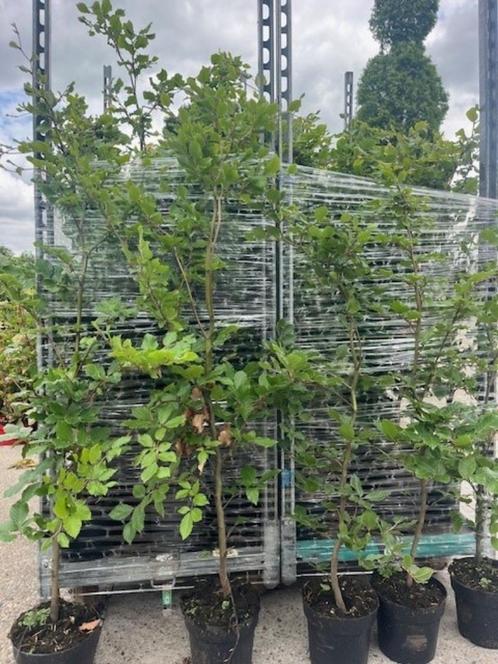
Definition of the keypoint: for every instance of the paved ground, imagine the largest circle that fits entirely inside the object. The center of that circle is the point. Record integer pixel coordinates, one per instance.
(18, 573)
(138, 632)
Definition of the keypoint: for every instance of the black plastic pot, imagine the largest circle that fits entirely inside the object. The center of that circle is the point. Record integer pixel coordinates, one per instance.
(406, 635)
(334, 640)
(212, 644)
(477, 614)
(82, 653)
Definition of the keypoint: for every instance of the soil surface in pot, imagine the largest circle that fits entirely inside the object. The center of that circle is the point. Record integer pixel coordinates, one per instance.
(418, 596)
(359, 597)
(207, 606)
(481, 576)
(75, 622)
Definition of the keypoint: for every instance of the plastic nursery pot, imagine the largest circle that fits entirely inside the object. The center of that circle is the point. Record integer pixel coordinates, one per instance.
(409, 635)
(215, 644)
(477, 610)
(338, 640)
(82, 653)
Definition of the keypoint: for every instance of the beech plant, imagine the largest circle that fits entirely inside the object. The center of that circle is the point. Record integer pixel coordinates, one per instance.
(207, 400)
(70, 452)
(336, 251)
(434, 305)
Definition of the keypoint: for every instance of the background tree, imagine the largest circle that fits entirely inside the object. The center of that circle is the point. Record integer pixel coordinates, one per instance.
(401, 86)
(398, 21)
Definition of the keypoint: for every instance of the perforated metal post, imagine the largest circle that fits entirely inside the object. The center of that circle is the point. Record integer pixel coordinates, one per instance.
(44, 220)
(41, 79)
(488, 166)
(275, 80)
(348, 99)
(107, 90)
(488, 79)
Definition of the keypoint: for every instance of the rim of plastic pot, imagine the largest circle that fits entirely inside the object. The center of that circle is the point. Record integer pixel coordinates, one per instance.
(345, 619)
(77, 645)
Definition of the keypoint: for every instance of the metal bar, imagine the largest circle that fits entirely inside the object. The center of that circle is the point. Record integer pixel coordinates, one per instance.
(107, 90)
(488, 166)
(43, 212)
(348, 99)
(431, 546)
(145, 569)
(266, 42)
(488, 80)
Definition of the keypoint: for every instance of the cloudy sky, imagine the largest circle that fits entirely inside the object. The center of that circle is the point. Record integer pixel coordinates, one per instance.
(330, 37)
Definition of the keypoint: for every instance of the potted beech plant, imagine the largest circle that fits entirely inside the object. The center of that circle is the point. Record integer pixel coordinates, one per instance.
(208, 399)
(411, 600)
(74, 451)
(475, 579)
(341, 610)
(75, 454)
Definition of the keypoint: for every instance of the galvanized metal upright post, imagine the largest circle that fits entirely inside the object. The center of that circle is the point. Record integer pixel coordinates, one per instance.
(107, 89)
(488, 166)
(348, 99)
(488, 79)
(41, 80)
(44, 219)
(275, 80)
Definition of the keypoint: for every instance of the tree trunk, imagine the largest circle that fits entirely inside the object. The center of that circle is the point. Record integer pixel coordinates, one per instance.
(334, 576)
(424, 494)
(480, 522)
(222, 529)
(55, 583)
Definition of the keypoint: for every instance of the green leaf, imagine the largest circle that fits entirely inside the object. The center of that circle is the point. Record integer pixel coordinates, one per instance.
(377, 495)
(129, 533)
(239, 379)
(72, 525)
(83, 8)
(272, 166)
(467, 467)
(121, 512)
(347, 431)
(261, 441)
(200, 500)
(82, 511)
(391, 430)
(252, 494)
(63, 540)
(138, 491)
(149, 472)
(196, 515)
(186, 526)
(60, 507)
(421, 574)
(18, 513)
(138, 518)
(295, 106)
(6, 532)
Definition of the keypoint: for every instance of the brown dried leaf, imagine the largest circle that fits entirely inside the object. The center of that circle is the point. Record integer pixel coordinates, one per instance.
(196, 394)
(225, 435)
(183, 449)
(198, 421)
(24, 463)
(90, 626)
